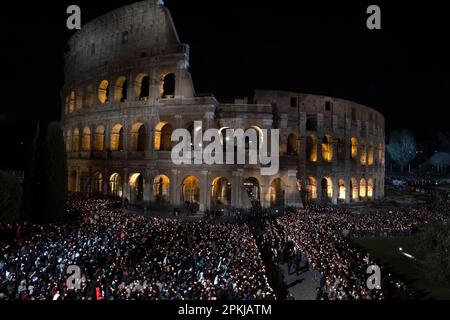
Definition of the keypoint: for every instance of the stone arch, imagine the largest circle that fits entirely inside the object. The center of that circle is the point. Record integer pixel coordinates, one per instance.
(311, 148)
(363, 155)
(311, 189)
(99, 138)
(76, 140)
(72, 101)
(98, 183)
(168, 86)
(277, 192)
(79, 99)
(292, 144)
(370, 154)
(354, 143)
(142, 87)
(116, 143)
(354, 189)
(136, 184)
(163, 136)
(138, 137)
(103, 91)
(253, 188)
(161, 188)
(191, 190)
(326, 189)
(68, 138)
(85, 183)
(116, 185)
(370, 188)
(86, 140)
(327, 148)
(341, 190)
(121, 89)
(220, 192)
(362, 188)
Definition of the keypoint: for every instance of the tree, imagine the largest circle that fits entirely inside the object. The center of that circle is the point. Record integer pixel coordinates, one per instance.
(55, 174)
(440, 160)
(433, 249)
(10, 197)
(401, 148)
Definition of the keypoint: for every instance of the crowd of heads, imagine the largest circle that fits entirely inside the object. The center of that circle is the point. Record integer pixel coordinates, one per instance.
(124, 256)
(321, 235)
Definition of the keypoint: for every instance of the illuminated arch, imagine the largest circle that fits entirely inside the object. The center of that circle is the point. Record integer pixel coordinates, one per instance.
(370, 186)
(121, 89)
(326, 189)
(72, 102)
(79, 99)
(68, 138)
(363, 155)
(142, 87)
(354, 189)
(136, 183)
(98, 182)
(115, 185)
(370, 154)
(90, 94)
(277, 192)
(163, 135)
(168, 86)
(86, 140)
(191, 189)
(116, 143)
(161, 189)
(220, 192)
(292, 144)
(342, 190)
(311, 148)
(103, 91)
(311, 188)
(76, 140)
(99, 138)
(253, 189)
(327, 148)
(362, 188)
(354, 142)
(138, 137)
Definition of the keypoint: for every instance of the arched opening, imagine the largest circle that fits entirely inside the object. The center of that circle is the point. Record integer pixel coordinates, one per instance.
(72, 101)
(121, 89)
(341, 149)
(277, 193)
(161, 189)
(342, 190)
(79, 99)
(363, 155)
(311, 148)
(90, 96)
(362, 188)
(327, 148)
(292, 144)
(380, 154)
(86, 140)
(85, 182)
(117, 138)
(115, 185)
(370, 154)
(191, 190)
(354, 148)
(136, 184)
(103, 91)
(168, 86)
(311, 189)
(76, 140)
(163, 135)
(98, 182)
(326, 189)
(68, 140)
(220, 192)
(138, 137)
(252, 187)
(142, 87)
(370, 185)
(354, 189)
(99, 138)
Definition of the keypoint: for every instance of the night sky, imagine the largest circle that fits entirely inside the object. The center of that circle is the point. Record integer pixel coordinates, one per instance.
(318, 47)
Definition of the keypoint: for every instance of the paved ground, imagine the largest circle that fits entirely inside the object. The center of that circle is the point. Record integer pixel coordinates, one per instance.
(301, 287)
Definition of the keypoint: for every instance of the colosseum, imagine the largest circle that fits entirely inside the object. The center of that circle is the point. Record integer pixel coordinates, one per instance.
(128, 86)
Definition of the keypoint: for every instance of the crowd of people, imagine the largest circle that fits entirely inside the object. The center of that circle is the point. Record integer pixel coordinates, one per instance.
(319, 236)
(122, 256)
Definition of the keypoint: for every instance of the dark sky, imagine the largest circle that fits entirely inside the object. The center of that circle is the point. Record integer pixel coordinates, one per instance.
(315, 46)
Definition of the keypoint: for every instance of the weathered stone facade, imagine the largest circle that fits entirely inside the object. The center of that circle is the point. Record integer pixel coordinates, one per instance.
(128, 87)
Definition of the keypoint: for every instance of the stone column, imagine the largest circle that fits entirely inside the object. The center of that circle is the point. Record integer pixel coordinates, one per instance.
(126, 187)
(175, 188)
(335, 196)
(105, 181)
(293, 194)
(348, 191)
(204, 190)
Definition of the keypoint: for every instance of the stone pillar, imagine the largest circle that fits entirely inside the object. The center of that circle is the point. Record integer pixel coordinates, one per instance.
(204, 190)
(293, 194)
(105, 181)
(175, 188)
(155, 86)
(348, 191)
(126, 186)
(335, 196)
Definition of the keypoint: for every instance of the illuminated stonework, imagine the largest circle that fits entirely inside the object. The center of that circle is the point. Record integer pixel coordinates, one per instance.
(128, 86)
